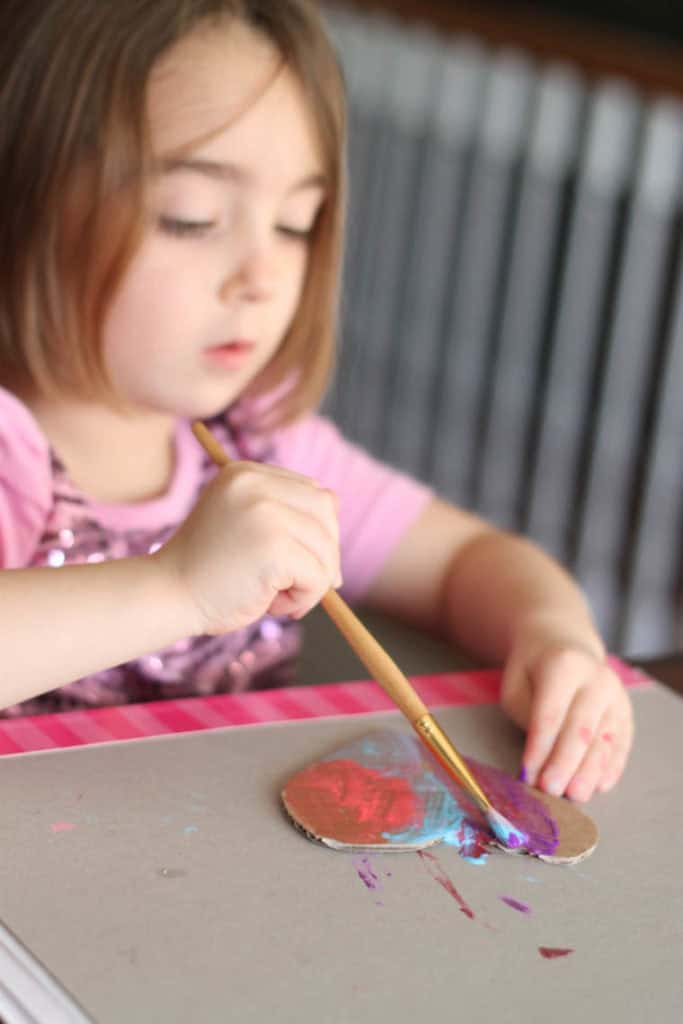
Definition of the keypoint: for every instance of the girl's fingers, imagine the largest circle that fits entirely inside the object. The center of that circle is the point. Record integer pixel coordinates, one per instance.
(575, 739)
(313, 536)
(617, 733)
(552, 701)
(279, 484)
(604, 762)
(262, 469)
(307, 582)
(588, 774)
(580, 722)
(290, 492)
(515, 693)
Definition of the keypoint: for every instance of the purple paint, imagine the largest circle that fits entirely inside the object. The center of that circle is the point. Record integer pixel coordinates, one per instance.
(367, 873)
(523, 775)
(523, 908)
(513, 800)
(440, 876)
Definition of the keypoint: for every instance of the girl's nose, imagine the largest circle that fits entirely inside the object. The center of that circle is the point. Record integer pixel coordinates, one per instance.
(251, 281)
(252, 272)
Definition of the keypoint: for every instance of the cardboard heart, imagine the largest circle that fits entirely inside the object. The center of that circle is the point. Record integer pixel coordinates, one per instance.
(385, 792)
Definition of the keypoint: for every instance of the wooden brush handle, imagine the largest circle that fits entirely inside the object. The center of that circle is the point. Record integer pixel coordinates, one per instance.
(210, 444)
(381, 667)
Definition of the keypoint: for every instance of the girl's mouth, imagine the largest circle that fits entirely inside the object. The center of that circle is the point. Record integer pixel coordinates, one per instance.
(230, 355)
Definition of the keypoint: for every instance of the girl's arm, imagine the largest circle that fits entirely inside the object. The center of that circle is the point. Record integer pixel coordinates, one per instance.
(259, 539)
(61, 624)
(505, 601)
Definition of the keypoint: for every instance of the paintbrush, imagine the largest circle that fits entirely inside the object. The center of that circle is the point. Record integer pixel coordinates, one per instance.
(386, 672)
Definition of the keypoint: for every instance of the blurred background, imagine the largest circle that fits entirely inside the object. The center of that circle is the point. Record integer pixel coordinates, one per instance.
(659, 19)
(512, 322)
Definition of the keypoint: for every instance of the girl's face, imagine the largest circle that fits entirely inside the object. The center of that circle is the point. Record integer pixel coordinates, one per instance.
(214, 287)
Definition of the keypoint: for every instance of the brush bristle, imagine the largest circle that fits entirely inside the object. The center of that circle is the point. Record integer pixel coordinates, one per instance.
(505, 831)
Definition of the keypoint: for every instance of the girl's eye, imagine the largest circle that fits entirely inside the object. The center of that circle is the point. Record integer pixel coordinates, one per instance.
(185, 228)
(295, 234)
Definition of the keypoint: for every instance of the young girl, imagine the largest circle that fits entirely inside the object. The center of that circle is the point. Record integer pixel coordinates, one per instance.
(170, 224)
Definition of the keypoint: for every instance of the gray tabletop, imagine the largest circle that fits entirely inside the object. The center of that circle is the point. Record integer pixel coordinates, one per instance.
(159, 880)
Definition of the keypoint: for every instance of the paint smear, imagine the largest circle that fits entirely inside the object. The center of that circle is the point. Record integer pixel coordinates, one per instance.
(386, 790)
(523, 908)
(552, 953)
(440, 876)
(62, 826)
(367, 873)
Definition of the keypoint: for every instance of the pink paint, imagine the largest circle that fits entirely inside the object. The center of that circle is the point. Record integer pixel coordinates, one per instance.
(440, 876)
(354, 803)
(586, 734)
(608, 737)
(523, 908)
(552, 953)
(62, 826)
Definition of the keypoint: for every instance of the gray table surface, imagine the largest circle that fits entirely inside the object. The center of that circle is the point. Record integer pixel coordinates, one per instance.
(182, 893)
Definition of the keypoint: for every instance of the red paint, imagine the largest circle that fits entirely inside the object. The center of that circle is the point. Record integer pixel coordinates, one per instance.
(550, 953)
(351, 802)
(472, 843)
(440, 876)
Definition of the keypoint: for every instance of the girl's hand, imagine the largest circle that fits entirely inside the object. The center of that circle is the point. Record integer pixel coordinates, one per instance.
(576, 712)
(260, 539)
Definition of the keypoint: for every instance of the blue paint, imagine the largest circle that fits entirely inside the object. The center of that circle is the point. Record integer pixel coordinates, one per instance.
(506, 832)
(443, 819)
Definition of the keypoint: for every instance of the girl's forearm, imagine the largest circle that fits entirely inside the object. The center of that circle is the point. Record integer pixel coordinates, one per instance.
(499, 584)
(59, 625)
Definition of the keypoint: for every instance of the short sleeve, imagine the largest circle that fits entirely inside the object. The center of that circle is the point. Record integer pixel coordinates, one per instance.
(25, 483)
(377, 503)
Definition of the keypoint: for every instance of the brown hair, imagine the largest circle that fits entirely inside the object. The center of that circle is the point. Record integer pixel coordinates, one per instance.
(73, 132)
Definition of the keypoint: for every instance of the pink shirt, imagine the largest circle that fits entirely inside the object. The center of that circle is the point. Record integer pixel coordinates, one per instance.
(46, 520)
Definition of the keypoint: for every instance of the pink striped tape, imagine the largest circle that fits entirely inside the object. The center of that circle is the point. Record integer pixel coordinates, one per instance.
(157, 718)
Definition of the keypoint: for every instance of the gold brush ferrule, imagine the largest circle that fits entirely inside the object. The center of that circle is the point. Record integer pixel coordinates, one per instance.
(431, 733)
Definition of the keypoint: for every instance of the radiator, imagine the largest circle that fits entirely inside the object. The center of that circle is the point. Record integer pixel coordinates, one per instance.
(512, 314)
